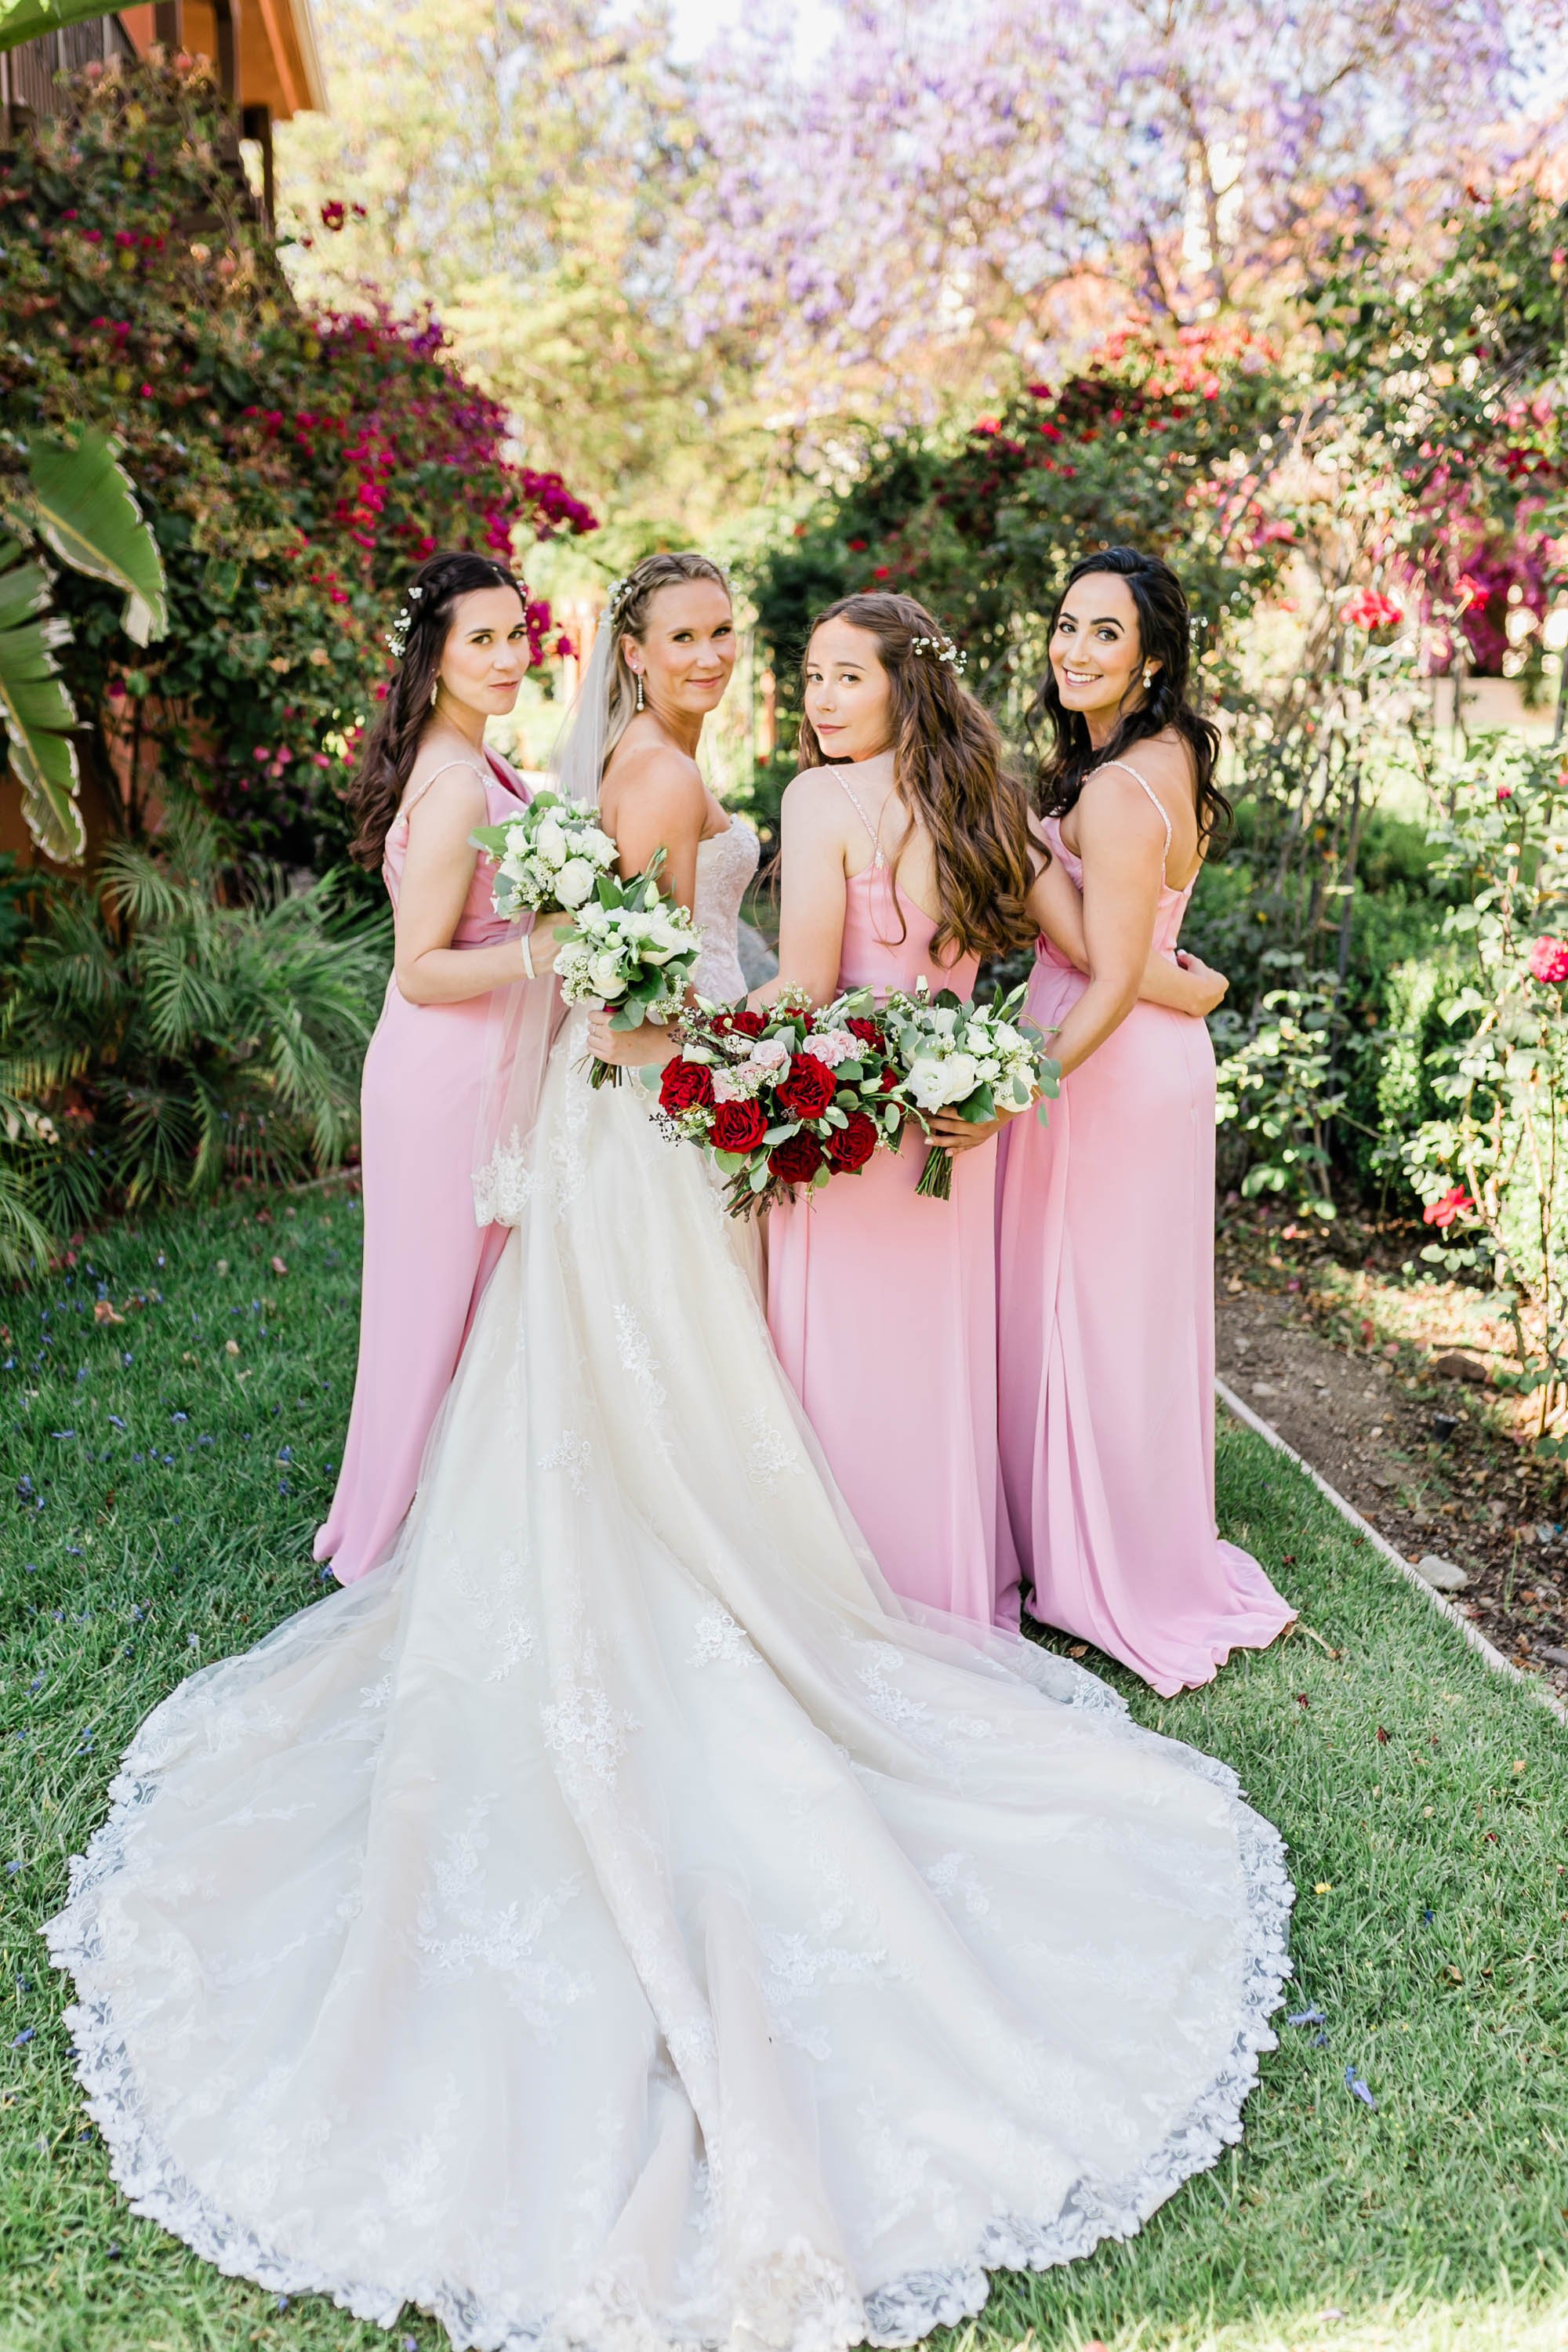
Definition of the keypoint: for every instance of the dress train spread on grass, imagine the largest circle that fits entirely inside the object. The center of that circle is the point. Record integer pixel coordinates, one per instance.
(617, 1924)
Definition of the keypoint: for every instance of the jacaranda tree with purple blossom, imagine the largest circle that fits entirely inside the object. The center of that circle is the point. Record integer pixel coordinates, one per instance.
(949, 190)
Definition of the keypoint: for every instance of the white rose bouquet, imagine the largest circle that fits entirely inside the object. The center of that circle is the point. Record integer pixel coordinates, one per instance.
(974, 1059)
(632, 950)
(548, 856)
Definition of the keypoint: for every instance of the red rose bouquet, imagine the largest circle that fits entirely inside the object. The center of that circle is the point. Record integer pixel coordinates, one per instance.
(783, 1099)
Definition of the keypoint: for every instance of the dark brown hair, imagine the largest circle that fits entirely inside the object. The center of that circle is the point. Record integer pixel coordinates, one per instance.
(951, 774)
(1164, 636)
(387, 755)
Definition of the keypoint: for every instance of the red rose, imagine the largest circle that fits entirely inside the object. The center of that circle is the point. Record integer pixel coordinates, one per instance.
(849, 1148)
(809, 1087)
(742, 1024)
(684, 1085)
(738, 1127)
(796, 1160)
(868, 1032)
(890, 1078)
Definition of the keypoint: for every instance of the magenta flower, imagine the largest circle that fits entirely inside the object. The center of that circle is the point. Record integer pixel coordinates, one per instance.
(1549, 960)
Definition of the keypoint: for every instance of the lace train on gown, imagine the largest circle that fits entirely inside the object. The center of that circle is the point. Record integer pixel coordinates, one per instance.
(612, 1926)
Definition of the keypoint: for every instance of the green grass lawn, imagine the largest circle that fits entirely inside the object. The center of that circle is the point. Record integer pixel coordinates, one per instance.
(164, 1490)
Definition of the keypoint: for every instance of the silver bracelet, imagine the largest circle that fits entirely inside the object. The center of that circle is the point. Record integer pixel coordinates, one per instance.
(526, 944)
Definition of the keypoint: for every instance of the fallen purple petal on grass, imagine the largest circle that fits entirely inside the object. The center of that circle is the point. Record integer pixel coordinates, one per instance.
(1307, 2017)
(25, 2036)
(1358, 2089)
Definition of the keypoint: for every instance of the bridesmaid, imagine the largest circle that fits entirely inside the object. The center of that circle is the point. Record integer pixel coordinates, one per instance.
(906, 850)
(1106, 1216)
(424, 780)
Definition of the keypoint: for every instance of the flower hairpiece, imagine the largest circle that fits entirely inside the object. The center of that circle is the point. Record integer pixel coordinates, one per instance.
(615, 599)
(397, 636)
(942, 649)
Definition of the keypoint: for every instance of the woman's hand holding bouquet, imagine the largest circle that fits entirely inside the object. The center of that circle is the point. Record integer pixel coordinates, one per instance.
(964, 1062)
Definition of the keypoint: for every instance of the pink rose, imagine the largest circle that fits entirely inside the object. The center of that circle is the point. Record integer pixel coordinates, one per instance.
(1549, 960)
(835, 1045)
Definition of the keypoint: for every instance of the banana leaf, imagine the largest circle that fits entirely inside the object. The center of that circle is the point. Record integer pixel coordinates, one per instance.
(83, 506)
(38, 712)
(24, 20)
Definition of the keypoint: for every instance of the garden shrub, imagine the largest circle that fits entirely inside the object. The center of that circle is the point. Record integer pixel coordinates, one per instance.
(159, 1040)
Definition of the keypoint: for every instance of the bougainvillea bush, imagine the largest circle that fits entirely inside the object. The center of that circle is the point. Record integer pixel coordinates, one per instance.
(296, 469)
(1172, 442)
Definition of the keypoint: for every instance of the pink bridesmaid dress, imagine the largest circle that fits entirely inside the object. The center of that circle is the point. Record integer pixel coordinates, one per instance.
(427, 1261)
(1105, 1276)
(883, 1310)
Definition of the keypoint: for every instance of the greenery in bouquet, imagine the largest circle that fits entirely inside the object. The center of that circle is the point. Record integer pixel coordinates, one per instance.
(975, 1060)
(634, 952)
(788, 1098)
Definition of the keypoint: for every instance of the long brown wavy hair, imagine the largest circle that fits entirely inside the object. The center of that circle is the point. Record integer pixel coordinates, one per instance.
(387, 755)
(952, 776)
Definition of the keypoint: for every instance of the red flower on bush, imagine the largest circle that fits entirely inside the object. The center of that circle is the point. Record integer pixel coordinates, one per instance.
(1442, 1213)
(684, 1085)
(858, 546)
(334, 214)
(738, 1127)
(849, 1147)
(796, 1160)
(1371, 610)
(809, 1087)
(1549, 958)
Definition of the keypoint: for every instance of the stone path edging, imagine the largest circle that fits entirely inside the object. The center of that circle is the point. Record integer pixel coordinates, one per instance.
(1477, 1641)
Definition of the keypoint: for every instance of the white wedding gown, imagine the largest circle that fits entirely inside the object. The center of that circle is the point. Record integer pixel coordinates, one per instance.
(614, 1926)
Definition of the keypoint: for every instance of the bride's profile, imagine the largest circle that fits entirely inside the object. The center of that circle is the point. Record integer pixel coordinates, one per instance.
(618, 1923)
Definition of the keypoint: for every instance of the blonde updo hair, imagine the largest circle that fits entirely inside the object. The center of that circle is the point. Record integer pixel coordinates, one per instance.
(627, 615)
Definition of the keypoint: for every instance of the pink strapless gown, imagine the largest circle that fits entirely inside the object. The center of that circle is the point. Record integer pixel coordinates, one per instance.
(427, 1261)
(883, 1310)
(1105, 1232)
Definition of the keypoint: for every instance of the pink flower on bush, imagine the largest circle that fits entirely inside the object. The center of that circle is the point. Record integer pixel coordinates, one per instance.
(1549, 958)
(334, 215)
(1372, 610)
(1456, 1203)
(564, 648)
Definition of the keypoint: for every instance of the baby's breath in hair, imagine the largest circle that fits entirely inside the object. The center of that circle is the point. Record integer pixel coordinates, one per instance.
(941, 649)
(397, 636)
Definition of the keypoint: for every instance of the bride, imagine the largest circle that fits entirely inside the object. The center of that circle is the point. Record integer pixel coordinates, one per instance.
(617, 1924)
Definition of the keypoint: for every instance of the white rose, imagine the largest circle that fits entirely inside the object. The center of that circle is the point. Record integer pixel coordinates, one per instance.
(549, 843)
(592, 842)
(608, 977)
(944, 1020)
(573, 882)
(927, 1082)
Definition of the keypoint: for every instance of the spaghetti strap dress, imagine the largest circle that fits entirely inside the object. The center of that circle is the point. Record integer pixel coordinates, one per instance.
(882, 1307)
(426, 1258)
(1105, 1278)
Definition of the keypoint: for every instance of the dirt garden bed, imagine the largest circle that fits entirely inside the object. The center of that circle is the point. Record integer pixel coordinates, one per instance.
(1386, 1382)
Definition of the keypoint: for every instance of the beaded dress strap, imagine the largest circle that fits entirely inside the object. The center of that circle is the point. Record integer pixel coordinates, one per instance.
(1128, 769)
(876, 856)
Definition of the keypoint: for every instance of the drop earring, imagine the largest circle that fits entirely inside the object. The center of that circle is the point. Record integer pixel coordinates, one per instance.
(435, 691)
(1148, 675)
(639, 690)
